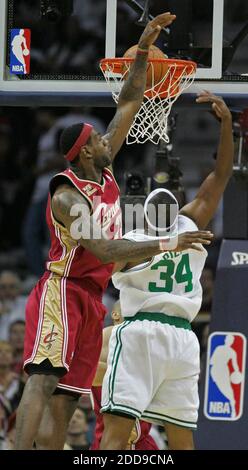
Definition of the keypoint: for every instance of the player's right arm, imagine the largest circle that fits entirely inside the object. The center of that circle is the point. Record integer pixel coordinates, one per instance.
(110, 251)
(132, 92)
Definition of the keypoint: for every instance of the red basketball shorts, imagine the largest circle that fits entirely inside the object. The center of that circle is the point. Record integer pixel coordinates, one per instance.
(64, 321)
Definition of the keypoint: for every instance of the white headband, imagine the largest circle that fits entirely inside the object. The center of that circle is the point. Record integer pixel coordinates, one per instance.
(149, 197)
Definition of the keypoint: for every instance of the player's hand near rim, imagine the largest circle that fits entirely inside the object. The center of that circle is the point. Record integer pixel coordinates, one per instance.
(132, 92)
(153, 28)
(218, 105)
(202, 209)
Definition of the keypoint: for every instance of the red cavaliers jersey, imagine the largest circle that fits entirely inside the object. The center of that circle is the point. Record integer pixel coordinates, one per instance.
(67, 257)
(140, 438)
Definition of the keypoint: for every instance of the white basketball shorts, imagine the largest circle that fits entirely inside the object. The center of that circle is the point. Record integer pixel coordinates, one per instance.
(153, 370)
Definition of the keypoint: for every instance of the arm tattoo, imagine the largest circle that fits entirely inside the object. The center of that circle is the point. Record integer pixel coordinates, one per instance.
(110, 251)
(115, 124)
(134, 87)
(62, 203)
(107, 251)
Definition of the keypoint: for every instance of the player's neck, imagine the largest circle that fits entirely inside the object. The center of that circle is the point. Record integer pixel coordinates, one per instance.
(91, 174)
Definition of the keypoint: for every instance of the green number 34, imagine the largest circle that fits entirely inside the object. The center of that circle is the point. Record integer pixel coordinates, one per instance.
(183, 274)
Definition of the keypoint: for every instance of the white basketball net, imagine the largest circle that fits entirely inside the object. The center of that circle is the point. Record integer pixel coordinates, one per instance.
(151, 121)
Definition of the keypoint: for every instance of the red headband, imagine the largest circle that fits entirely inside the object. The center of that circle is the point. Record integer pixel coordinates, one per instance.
(80, 142)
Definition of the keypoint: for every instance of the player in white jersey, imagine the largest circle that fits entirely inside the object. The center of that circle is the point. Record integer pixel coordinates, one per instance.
(153, 363)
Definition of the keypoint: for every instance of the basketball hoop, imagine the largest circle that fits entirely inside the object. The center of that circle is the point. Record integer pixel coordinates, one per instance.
(150, 123)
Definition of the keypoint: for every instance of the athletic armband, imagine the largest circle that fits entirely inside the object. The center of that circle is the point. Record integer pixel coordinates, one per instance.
(163, 244)
(168, 243)
(142, 51)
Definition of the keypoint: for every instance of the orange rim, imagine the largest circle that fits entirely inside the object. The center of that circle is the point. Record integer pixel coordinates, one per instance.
(177, 69)
(116, 64)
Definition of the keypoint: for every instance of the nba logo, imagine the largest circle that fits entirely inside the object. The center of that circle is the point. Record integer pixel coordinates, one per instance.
(225, 376)
(20, 51)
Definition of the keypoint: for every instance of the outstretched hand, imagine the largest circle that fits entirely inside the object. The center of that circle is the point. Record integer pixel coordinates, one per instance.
(191, 240)
(218, 105)
(153, 28)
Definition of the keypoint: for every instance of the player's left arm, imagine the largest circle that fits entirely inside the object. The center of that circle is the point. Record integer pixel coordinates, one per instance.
(204, 206)
(132, 93)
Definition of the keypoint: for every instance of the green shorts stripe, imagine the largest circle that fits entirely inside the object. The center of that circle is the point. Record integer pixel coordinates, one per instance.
(162, 318)
(115, 359)
(160, 417)
(128, 410)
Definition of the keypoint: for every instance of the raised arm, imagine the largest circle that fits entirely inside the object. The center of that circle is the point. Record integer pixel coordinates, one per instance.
(110, 251)
(132, 93)
(203, 207)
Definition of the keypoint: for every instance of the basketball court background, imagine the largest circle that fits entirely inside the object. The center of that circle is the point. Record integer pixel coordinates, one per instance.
(64, 72)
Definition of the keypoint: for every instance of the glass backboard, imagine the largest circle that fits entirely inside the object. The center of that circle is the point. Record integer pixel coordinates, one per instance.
(65, 55)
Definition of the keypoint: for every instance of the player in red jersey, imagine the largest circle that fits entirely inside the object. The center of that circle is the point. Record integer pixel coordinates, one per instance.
(139, 439)
(64, 313)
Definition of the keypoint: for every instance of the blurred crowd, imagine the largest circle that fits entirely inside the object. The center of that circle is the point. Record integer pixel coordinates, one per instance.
(29, 157)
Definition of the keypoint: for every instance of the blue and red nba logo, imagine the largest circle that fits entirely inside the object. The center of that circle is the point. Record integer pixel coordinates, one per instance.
(225, 376)
(20, 41)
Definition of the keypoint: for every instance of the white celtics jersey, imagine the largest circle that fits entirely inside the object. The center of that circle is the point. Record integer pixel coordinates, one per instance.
(169, 283)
